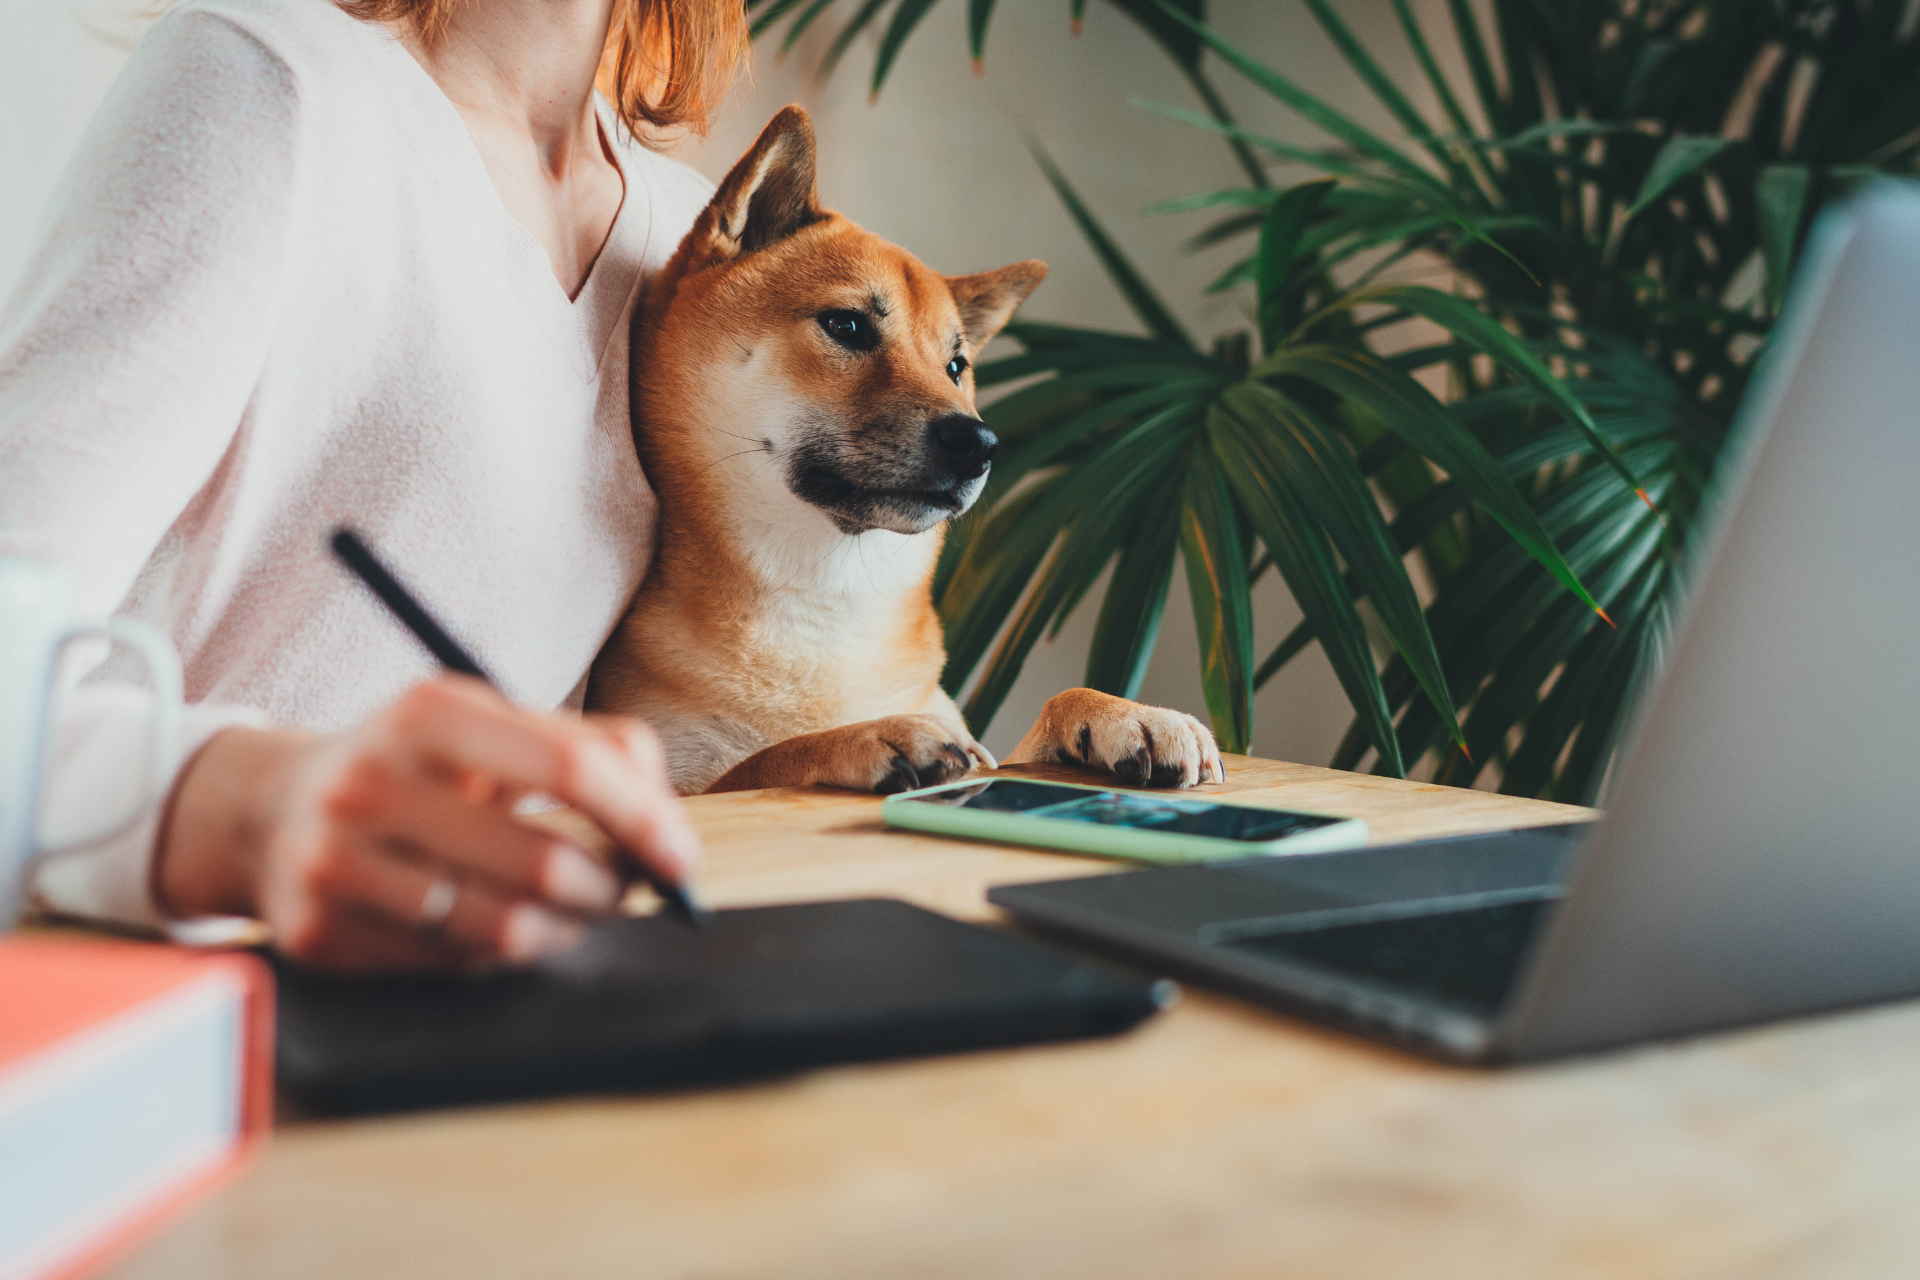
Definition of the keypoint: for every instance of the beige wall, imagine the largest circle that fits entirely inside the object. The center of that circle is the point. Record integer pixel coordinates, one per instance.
(938, 165)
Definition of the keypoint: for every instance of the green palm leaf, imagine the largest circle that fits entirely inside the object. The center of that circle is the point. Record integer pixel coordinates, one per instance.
(770, 13)
(1470, 324)
(1383, 87)
(1529, 660)
(1300, 551)
(1679, 157)
(1145, 303)
(1217, 580)
(862, 19)
(1420, 189)
(905, 19)
(1136, 598)
(1051, 348)
(798, 27)
(1016, 415)
(1436, 79)
(979, 14)
(1781, 195)
(1310, 108)
(1091, 505)
(1573, 702)
(1411, 412)
(1154, 409)
(1235, 197)
(1280, 250)
(1501, 611)
(1473, 47)
(1326, 483)
(999, 557)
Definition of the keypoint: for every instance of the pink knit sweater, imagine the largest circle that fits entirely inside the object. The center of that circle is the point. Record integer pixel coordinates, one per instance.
(277, 291)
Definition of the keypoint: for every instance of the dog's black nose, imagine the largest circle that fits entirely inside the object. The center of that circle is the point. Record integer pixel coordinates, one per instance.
(968, 444)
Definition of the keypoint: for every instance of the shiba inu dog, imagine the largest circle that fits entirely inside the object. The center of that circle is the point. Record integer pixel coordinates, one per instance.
(803, 404)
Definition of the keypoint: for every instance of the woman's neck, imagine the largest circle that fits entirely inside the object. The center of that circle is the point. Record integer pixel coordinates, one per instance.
(528, 64)
(521, 73)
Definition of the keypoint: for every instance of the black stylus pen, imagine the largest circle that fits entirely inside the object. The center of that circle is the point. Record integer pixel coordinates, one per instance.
(413, 615)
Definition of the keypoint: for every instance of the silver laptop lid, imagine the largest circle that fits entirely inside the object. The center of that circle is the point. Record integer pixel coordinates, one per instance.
(1761, 855)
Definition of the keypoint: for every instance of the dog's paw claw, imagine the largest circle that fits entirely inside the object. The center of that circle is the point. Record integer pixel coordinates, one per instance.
(900, 753)
(900, 777)
(1140, 745)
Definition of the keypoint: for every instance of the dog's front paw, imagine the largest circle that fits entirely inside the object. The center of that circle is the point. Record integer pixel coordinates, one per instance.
(899, 753)
(1139, 745)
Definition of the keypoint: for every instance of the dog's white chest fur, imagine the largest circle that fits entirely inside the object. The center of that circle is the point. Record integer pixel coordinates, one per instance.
(814, 645)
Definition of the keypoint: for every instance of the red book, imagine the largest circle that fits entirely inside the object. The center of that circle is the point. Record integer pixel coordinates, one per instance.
(132, 1079)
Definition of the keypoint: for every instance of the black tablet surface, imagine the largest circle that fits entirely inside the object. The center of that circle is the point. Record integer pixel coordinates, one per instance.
(648, 1003)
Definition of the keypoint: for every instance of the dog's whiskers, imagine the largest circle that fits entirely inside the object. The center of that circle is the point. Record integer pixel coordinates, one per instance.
(724, 457)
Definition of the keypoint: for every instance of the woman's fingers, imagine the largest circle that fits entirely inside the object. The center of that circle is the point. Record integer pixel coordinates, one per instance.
(350, 941)
(612, 770)
(443, 825)
(437, 913)
(394, 846)
(398, 849)
(655, 818)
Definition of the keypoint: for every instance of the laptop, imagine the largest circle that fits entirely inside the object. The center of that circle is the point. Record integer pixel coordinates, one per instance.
(1760, 855)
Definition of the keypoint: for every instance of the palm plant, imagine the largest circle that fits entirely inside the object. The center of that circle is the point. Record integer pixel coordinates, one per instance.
(1616, 190)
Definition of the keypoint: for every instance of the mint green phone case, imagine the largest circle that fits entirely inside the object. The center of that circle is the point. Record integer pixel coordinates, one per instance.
(1101, 841)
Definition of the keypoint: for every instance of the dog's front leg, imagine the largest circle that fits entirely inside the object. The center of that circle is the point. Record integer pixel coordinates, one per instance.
(1139, 745)
(895, 753)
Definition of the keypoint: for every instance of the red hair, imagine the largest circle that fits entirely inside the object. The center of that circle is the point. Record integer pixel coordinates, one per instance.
(667, 63)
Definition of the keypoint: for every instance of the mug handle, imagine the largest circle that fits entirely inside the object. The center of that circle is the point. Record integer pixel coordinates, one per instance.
(163, 671)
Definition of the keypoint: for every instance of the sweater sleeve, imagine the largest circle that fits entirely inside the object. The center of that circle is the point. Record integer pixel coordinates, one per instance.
(129, 351)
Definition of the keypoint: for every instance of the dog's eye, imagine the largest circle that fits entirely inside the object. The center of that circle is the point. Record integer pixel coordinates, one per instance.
(956, 367)
(850, 329)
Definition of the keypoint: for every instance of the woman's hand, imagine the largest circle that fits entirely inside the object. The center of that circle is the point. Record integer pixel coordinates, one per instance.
(394, 846)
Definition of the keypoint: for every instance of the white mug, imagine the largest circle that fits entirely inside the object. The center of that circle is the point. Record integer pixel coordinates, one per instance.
(36, 622)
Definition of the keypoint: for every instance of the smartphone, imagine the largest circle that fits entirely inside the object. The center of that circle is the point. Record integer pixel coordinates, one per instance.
(1143, 826)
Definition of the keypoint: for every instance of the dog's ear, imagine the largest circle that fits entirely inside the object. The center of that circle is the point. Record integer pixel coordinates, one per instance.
(988, 299)
(770, 193)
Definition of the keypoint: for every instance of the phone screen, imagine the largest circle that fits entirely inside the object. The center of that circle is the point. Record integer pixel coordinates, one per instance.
(1174, 815)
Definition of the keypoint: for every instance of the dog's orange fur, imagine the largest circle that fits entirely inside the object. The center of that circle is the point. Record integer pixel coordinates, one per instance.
(775, 641)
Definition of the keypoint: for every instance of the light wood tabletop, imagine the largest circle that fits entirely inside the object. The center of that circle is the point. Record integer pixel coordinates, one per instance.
(1217, 1140)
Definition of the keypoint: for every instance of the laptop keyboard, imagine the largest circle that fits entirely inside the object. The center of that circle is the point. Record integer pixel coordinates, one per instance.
(1468, 959)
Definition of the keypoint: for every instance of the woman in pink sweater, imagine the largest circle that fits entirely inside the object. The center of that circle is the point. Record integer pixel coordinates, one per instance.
(369, 262)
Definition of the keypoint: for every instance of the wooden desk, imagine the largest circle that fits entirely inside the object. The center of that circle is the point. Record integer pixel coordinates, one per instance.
(1218, 1140)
